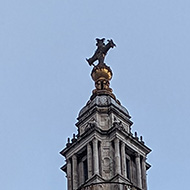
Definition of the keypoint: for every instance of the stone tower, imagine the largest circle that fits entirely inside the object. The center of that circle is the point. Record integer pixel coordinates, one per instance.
(105, 155)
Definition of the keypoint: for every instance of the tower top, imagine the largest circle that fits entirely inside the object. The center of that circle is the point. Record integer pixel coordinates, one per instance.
(101, 73)
(104, 154)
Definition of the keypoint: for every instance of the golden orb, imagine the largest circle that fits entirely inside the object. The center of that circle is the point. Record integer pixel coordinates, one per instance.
(101, 73)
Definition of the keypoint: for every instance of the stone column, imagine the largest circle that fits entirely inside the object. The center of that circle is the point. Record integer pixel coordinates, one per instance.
(69, 179)
(123, 160)
(138, 166)
(117, 157)
(144, 183)
(89, 160)
(75, 172)
(95, 156)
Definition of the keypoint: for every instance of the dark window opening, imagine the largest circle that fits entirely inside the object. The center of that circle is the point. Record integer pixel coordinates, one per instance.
(128, 168)
(85, 169)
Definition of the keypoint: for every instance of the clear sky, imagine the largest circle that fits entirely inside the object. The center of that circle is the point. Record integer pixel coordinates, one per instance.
(45, 81)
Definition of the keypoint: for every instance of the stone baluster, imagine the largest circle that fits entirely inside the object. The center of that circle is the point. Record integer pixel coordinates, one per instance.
(69, 179)
(117, 157)
(138, 166)
(95, 156)
(89, 160)
(123, 159)
(75, 172)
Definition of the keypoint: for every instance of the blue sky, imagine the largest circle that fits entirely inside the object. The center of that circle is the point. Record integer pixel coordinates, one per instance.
(45, 81)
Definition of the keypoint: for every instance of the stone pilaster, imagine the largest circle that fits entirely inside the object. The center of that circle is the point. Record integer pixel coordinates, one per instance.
(95, 156)
(138, 165)
(123, 160)
(117, 157)
(89, 160)
(81, 176)
(75, 172)
(69, 179)
(144, 183)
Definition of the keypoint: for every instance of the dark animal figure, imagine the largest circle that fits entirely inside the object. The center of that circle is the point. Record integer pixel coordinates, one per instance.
(101, 51)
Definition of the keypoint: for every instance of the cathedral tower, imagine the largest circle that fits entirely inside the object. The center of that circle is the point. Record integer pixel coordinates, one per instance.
(105, 155)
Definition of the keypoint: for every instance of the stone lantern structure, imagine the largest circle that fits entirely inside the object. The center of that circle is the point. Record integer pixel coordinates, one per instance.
(105, 155)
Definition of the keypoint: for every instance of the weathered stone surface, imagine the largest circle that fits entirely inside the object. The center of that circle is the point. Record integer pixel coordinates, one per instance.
(109, 186)
(103, 100)
(104, 112)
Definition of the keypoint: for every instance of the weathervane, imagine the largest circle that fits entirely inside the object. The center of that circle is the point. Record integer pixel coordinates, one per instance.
(101, 73)
(101, 51)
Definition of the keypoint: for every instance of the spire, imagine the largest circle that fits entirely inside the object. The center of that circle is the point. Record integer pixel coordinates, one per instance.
(101, 73)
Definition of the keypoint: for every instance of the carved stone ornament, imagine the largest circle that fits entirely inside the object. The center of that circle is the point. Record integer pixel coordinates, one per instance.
(103, 101)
